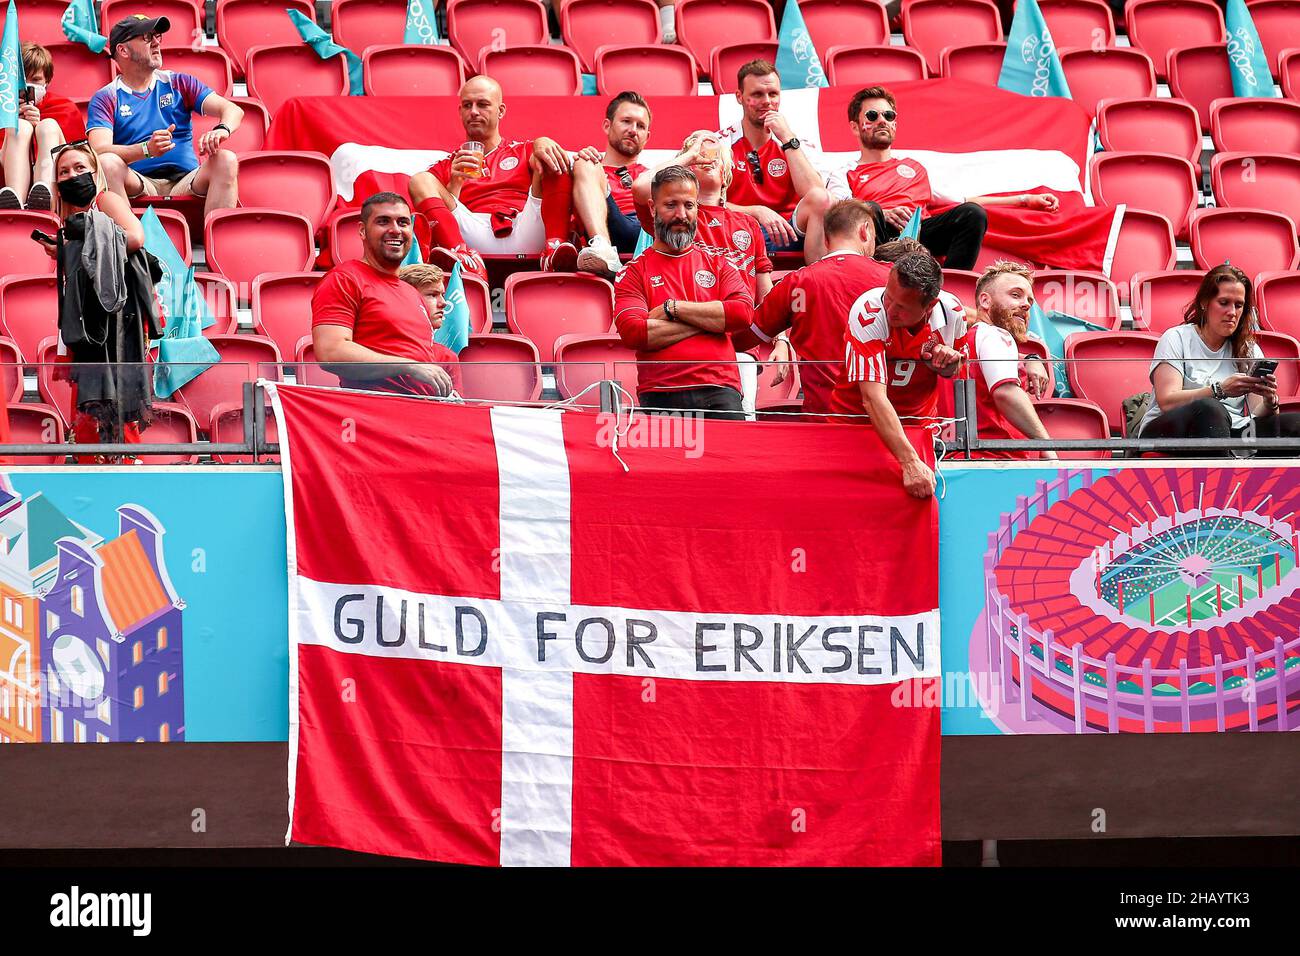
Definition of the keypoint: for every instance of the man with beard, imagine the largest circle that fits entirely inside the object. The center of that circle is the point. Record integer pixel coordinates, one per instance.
(895, 187)
(369, 324)
(675, 303)
(1003, 410)
(602, 185)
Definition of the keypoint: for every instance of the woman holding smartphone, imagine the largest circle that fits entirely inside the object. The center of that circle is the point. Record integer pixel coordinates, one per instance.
(1206, 374)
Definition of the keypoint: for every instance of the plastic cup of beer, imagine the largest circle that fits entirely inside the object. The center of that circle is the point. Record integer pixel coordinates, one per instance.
(475, 147)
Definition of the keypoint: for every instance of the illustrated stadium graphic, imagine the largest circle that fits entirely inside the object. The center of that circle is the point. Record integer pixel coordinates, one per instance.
(1144, 600)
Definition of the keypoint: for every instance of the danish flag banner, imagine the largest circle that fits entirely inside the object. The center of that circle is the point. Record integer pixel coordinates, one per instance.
(506, 649)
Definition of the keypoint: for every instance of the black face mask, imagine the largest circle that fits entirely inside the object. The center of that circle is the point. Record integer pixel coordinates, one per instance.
(79, 190)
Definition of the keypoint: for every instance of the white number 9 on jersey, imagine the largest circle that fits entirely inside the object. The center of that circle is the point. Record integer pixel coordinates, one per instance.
(904, 369)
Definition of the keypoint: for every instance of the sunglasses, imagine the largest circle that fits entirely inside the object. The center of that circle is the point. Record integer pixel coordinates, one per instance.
(873, 115)
(79, 144)
(624, 177)
(755, 166)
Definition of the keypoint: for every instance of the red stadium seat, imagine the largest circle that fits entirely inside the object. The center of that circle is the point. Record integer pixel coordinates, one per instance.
(830, 21)
(1270, 180)
(1150, 125)
(1286, 350)
(501, 368)
(1066, 418)
(588, 25)
(540, 70)
(961, 283)
(358, 24)
(1159, 298)
(1278, 25)
(479, 299)
(208, 64)
(42, 21)
(77, 71)
(302, 180)
(726, 61)
(410, 70)
(308, 372)
(173, 424)
(1169, 185)
(583, 360)
(29, 311)
(1159, 26)
(656, 70)
(1200, 75)
(186, 17)
(545, 305)
(1145, 241)
(1115, 72)
(11, 366)
(704, 25)
(873, 65)
(241, 244)
(475, 24)
(177, 228)
(1079, 23)
(33, 425)
(1255, 123)
(250, 136)
(53, 391)
(282, 307)
(225, 424)
(244, 358)
(1085, 295)
(1277, 301)
(1289, 72)
(219, 294)
(279, 73)
(975, 62)
(1253, 240)
(19, 253)
(1108, 367)
(342, 235)
(932, 25)
(244, 24)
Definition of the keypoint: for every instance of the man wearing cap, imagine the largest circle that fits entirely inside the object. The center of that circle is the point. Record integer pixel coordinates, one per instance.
(140, 124)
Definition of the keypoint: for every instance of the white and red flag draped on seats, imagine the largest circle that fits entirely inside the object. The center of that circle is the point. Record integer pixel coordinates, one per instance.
(750, 607)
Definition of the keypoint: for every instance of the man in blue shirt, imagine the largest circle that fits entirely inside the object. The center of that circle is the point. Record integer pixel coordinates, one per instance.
(140, 124)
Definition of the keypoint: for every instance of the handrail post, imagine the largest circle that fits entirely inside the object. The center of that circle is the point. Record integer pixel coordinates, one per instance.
(246, 413)
(607, 397)
(259, 423)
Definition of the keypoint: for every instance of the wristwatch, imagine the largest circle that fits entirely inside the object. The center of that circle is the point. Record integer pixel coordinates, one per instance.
(1217, 391)
(229, 131)
(793, 144)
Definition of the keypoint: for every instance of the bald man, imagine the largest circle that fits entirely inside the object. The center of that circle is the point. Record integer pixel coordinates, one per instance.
(511, 198)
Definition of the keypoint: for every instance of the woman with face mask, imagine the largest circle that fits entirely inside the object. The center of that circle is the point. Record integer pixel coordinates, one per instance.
(45, 120)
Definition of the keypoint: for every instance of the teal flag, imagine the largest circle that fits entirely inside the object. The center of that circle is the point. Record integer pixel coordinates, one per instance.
(1031, 66)
(1047, 332)
(413, 254)
(796, 57)
(454, 331)
(589, 87)
(421, 28)
(1250, 70)
(325, 47)
(80, 25)
(183, 352)
(913, 228)
(12, 79)
(643, 242)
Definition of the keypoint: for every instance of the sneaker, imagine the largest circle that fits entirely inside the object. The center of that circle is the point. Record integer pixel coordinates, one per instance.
(9, 199)
(40, 197)
(600, 257)
(470, 262)
(560, 256)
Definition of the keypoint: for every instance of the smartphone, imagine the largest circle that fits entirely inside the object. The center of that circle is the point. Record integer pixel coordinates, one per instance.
(44, 237)
(28, 95)
(1264, 367)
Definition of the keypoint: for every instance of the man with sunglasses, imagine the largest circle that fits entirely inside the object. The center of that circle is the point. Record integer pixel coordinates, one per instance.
(602, 185)
(140, 126)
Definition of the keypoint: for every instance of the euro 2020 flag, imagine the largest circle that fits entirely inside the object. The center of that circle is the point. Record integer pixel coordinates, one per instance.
(1031, 66)
(183, 352)
(325, 47)
(796, 58)
(506, 650)
(80, 25)
(1249, 63)
(454, 331)
(913, 228)
(12, 79)
(421, 28)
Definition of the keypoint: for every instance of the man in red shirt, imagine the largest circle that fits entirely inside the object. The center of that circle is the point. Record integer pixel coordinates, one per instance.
(898, 341)
(675, 304)
(430, 281)
(45, 121)
(602, 185)
(775, 180)
(814, 302)
(367, 322)
(512, 198)
(895, 187)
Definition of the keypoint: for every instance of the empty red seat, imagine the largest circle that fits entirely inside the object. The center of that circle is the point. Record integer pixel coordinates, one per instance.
(1113, 72)
(307, 370)
(277, 74)
(726, 60)
(501, 368)
(545, 305)
(1150, 125)
(475, 24)
(1079, 23)
(29, 311)
(31, 424)
(282, 307)
(1200, 75)
(1259, 180)
(209, 64)
(219, 294)
(358, 24)
(1253, 240)
(302, 180)
(1286, 351)
(1278, 24)
(932, 25)
(77, 71)
(244, 358)
(829, 22)
(244, 24)
(1169, 185)
(479, 299)
(186, 17)
(1289, 73)
(873, 65)
(1159, 298)
(1067, 418)
(343, 236)
(1255, 123)
(1085, 295)
(11, 367)
(975, 62)
(1108, 367)
(655, 70)
(1145, 242)
(225, 425)
(1159, 26)
(961, 283)
(582, 360)
(42, 20)
(541, 70)
(241, 244)
(251, 134)
(1277, 301)
(173, 424)
(588, 25)
(54, 391)
(412, 70)
(704, 25)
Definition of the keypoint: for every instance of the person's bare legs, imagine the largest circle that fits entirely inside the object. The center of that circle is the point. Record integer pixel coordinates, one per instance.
(119, 177)
(808, 219)
(589, 198)
(424, 186)
(48, 135)
(216, 182)
(15, 153)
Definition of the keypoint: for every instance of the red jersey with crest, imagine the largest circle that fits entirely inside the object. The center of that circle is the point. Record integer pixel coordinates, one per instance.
(875, 352)
(776, 191)
(622, 195)
(503, 188)
(735, 235)
(813, 303)
(992, 360)
(695, 275)
(895, 182)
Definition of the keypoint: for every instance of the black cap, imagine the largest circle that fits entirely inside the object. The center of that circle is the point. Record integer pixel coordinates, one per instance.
(136, 25)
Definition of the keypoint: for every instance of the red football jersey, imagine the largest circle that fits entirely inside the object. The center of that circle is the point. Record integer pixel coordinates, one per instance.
(735, 235)
(992, 361)
(695, 275)
(621, 194)
(776, 191)
(503, 188)
(895, 182)
(814, 303)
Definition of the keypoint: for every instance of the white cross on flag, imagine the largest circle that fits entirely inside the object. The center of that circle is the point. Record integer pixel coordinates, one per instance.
(504, 649)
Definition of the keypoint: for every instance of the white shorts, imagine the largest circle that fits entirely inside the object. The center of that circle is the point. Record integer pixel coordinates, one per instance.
(527, 239)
